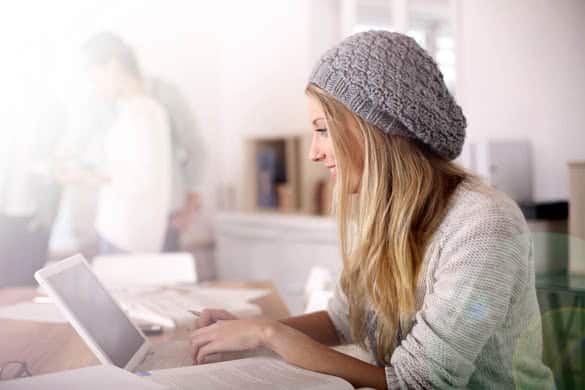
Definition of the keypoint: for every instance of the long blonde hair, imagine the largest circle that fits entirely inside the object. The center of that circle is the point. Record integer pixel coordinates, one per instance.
(384, 228)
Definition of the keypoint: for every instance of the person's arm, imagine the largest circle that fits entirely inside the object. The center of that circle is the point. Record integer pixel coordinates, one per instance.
(294, 346)
(329, 327)
(317, 325)
(300, 350)
(309, 334)
(186, 138)
(182, 218)
(187, 145)
(300, 340)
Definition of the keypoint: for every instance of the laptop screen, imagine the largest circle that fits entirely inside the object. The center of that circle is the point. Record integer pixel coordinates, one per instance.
(97, 312)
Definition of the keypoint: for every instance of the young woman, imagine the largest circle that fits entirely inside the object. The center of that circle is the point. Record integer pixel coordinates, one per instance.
(438, 276)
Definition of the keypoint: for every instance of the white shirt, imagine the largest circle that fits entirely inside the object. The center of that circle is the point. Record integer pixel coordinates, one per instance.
(134, 204)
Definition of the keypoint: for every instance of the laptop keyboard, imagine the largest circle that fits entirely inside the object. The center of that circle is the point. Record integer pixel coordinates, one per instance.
(168, 354)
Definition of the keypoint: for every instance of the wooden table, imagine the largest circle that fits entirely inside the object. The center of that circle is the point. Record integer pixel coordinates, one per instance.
(49, 347)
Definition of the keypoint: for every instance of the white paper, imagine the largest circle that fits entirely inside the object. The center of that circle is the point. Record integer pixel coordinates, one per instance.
(257, 373)
(88, 378)
(230, 294)
(169, 307)
(156, 269)
(30, 311)
(215, 293)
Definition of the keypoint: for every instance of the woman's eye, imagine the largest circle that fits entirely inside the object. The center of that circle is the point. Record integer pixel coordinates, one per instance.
(323, 131)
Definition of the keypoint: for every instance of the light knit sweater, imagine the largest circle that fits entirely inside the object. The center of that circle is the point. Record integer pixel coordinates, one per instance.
(477, 324)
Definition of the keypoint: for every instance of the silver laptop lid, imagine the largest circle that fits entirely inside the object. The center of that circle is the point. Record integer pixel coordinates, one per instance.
(92, 311)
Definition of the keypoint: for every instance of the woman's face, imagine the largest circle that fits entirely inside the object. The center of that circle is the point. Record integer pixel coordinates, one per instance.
(322, 146)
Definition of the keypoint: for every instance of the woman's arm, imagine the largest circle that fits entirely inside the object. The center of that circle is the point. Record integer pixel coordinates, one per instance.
(301, 350)
(294, 346)
(317, 325)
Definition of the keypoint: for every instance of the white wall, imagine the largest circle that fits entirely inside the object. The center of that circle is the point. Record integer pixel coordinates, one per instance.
(268, 50)
(243, 67)
(521, 74)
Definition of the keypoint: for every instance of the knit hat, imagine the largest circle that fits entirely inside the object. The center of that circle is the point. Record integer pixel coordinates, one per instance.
(384, 77)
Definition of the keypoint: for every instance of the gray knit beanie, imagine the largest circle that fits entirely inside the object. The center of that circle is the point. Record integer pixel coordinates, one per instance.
(386, 77)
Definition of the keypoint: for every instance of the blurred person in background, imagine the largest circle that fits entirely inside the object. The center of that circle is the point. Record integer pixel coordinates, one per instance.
(135, 178)
(92, 119)
(79, 150)
(187, 162)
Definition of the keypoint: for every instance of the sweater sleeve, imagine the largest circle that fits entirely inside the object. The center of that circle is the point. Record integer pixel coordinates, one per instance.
(481, 269)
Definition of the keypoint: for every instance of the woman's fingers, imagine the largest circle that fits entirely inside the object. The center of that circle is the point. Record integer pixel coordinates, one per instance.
(201, 337)
(210, 316)
(227, 336)
(205, 319)
(207, 349)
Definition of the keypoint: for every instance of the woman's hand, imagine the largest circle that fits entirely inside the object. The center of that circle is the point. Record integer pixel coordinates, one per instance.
(220, 331)
(225, 335)
(210, 316)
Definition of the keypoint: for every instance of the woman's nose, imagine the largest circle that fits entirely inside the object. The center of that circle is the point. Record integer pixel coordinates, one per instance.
(314, 153)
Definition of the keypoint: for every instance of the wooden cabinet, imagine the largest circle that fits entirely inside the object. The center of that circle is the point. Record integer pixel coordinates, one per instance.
(280, 177)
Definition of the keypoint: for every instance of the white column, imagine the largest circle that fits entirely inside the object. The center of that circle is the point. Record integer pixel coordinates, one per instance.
(399, 15)
(348, 17)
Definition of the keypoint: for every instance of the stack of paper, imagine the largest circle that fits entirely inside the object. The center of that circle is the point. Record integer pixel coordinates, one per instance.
(88, 378)
(169, 307)
(250, 373)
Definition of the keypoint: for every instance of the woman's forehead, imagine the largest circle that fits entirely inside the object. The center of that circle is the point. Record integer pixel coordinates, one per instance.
(315, 110)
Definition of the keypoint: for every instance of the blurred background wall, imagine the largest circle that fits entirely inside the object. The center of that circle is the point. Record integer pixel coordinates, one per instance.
(521, 74)
(518, 71)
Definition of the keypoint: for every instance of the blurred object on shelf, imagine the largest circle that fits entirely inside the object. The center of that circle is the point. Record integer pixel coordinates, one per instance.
(552, 211)
(278, 175)
(577, 217)
(506, 165)
(266, 170)
(284, 198)
(548, 226)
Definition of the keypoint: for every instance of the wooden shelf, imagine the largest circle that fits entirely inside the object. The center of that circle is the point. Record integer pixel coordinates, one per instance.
(280, 178)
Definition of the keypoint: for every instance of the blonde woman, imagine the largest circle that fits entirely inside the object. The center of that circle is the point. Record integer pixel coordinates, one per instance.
(438, 276)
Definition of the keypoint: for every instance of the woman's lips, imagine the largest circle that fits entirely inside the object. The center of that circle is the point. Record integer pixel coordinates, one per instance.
(332, 170)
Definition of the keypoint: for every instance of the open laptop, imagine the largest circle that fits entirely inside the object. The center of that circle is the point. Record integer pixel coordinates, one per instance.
(102, 324)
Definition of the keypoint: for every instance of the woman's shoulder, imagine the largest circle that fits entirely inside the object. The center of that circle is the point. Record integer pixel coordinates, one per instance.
(477, 206)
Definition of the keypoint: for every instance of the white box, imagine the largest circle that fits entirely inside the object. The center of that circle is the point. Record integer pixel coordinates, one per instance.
(506, 165)
(577, 217)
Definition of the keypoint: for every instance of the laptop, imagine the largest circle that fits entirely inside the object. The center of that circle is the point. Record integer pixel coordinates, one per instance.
(101, 322)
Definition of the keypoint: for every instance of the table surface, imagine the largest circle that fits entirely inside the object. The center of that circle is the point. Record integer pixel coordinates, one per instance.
(49, 347)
